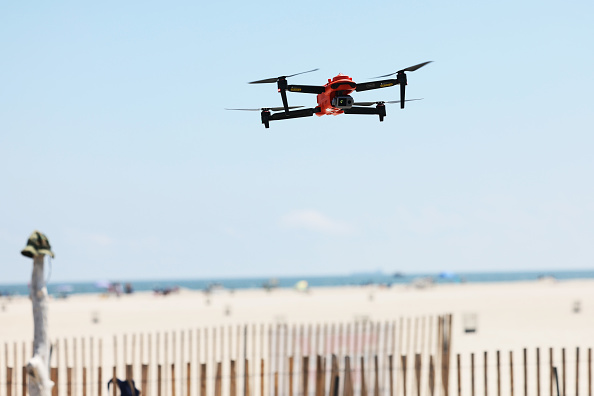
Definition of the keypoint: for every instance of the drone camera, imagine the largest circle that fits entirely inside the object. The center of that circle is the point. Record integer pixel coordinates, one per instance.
(342, 102)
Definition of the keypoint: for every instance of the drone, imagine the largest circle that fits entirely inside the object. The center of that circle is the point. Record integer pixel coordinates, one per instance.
(334, 97)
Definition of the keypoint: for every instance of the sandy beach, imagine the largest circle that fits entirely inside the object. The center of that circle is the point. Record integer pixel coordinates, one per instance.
(508, 315)
(505, 316)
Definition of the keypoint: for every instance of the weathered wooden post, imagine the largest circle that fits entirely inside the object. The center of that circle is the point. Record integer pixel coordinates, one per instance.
(40, 383)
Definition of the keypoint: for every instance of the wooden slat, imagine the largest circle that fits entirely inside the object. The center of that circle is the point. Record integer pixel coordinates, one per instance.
(391, 374)
(54, 377)
(233, 385)
(577, 371)
(417, 373)
(305, 374)
(173, 374)
(144, 380)
(218, 378)
(403, 368)
(159, 377)
(511, 373)
(485, 379)
(189, 376)
(203, 379)
(348, 380)
(69, 382)
(376, 390)
(363, 384)
(8, 380)
(291, 376)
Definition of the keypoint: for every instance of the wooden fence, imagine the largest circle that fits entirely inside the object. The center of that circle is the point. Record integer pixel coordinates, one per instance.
(527, 373)
(402, 357)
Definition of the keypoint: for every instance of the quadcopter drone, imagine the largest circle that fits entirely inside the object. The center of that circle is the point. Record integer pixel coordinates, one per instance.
(334, 97)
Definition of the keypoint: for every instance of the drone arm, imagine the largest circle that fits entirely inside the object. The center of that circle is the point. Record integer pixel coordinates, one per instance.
(293, 114)
(376, 84)
(309, 89)
(267, 116)
(379, 110)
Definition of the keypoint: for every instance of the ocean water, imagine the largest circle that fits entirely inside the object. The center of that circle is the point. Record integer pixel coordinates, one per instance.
(56, 288)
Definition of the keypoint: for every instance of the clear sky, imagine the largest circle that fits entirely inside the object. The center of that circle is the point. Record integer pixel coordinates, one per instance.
(114, 140)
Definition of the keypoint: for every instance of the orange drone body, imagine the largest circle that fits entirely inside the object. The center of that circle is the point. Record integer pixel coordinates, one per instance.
(341, 84)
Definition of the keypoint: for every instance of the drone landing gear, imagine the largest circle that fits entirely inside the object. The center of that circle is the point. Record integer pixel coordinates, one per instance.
(267, 116)
(380, 110)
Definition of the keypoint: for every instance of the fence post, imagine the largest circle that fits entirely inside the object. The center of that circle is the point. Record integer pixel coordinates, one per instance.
(376, 390)
(203, 379)
(218, 378)
(113, 377)
(348, 381)
(564, 371)
(173, 377)
(363, 385)
(159, 380)
(403, 365)
(551, 371)
(69, 382)
(189, 374)
(333, 376)
(144, 380)
(472, 387)
(577, 371)
(8, 380)
(511, 372)
(589, 371)
(525, 372)
(24, 380)
(485, 373)
(498, 374)
(431, 374)
(291, 376)
(130, 377)
(417, 373)
(54, 378)
(261, 377)
(99, 380)
(246, 379)
(233, 385)
(305, 370)
(391, 373)
(318, 373)
(537, 371)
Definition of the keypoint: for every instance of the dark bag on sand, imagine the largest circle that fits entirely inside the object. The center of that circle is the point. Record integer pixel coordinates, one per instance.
(125, 387)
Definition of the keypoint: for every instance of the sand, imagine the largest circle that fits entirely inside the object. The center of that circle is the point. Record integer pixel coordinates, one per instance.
(507, 315)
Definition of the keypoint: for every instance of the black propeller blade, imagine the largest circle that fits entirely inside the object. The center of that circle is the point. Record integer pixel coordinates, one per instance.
(408, 69)
(275, 79)
(402, 81)
(281, 83)
(268, 108)
(381, 102)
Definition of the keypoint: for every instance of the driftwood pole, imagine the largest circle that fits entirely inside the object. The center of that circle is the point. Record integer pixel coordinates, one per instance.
(40, 383)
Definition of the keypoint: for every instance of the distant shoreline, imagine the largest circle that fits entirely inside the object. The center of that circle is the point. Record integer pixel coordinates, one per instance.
(356, 279)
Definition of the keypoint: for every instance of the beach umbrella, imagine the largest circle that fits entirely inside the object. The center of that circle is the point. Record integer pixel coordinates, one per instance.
(64, 289)
(447, 275)
(102, 284)
(302, 285)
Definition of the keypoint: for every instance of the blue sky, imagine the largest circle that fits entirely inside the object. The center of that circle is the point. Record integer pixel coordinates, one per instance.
(114, 140)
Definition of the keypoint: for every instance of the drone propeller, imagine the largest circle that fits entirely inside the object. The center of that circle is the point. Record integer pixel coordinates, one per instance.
(382, 102)
(275, 79)
(408, 69)
(268, 108)
(402, 81)
(281, 83)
